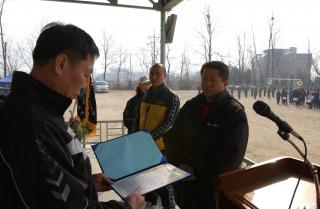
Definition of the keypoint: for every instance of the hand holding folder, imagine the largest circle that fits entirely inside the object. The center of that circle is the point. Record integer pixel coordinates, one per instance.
(133, 161)
(101, 182)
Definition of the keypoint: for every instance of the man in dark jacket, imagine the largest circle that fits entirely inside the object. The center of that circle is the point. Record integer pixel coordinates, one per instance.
(42, 163)
(208, 138)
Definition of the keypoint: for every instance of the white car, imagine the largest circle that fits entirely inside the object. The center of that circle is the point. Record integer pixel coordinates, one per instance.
(101, 86)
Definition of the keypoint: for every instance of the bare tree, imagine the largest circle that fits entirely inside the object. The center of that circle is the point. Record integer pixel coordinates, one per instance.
(25, 51)
(130, 73)
(3, 42)
(243, 55)
(206, 35)
(107, 56)
(254, 57)
(273, 38)
(316, 64)
(184, 70)
(144, 61)
(122, 56)
(13, 61)
(169, 59)
(149, 55)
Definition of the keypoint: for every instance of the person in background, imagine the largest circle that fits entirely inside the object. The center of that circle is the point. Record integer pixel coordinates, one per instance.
(208, 138)
(131, 111)
(260, 91)
(278, 96)
(239, 92)
(284, 96)
(255, 93)
(269, 91)
(158, 111)
(42, 163)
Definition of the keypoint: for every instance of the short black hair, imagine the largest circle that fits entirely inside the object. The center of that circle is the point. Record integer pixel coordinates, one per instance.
(217, 65)
(56, 38)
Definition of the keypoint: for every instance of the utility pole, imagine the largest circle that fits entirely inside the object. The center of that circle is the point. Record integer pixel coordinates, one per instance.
(152, 43)
(209, 34)
(272, 47)
(5, 59)
(154, 49)
(130, 67)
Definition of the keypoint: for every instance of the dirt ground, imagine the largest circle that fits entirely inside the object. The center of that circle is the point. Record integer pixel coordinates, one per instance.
(264, 143)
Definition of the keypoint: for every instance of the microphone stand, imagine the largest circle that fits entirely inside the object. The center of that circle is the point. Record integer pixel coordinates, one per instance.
(314, 171)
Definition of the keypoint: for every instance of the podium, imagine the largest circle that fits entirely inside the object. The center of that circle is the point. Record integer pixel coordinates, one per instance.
(267, 185)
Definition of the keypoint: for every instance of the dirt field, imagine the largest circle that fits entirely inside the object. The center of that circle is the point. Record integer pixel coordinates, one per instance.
(264, 143)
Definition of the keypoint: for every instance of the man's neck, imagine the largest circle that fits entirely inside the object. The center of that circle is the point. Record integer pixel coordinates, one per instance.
(211, 100)
(155, 87)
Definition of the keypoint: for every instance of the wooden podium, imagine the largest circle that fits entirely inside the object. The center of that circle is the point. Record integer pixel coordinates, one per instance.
(267, 185)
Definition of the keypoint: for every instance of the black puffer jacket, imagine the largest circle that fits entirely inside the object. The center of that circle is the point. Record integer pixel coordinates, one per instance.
(210, 145)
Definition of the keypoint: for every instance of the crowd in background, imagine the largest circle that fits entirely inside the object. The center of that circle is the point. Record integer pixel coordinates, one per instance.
(309, 98)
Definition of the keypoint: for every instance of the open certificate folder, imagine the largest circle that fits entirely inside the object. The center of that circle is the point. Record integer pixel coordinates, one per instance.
(134, 160)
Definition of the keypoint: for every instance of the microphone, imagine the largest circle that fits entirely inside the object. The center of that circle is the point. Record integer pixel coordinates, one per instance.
(263, 109)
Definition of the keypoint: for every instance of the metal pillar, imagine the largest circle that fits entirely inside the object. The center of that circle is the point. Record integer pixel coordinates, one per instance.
(163, 38)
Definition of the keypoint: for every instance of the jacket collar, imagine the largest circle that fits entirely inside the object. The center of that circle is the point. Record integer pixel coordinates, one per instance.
(159, 88)
(25, 85)
(151, 92)
(220, 99)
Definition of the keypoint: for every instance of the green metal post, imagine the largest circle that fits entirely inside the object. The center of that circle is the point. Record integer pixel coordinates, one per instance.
(163, 38)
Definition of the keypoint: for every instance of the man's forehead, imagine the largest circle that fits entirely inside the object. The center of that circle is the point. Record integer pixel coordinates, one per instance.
(157, 69)
(211, 68)
(211, 71)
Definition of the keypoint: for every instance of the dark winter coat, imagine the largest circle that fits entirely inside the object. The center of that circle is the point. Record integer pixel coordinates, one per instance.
(42, 164)
(210, 145)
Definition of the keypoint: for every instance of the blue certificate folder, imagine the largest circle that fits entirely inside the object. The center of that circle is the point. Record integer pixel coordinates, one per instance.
(134, 160)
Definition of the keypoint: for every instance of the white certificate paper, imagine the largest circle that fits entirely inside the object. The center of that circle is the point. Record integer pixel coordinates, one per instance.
(149, 180)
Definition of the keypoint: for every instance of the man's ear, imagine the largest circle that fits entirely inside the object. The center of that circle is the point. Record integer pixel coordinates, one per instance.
(225, 83)
(165, 75)
(60, 64)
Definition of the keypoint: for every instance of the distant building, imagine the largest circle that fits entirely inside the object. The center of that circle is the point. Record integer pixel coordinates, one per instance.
(282, 63)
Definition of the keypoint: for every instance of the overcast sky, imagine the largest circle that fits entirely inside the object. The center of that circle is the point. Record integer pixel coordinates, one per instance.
(298, 22)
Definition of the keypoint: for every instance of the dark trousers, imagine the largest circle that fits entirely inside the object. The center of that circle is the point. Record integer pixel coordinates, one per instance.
(195, 195)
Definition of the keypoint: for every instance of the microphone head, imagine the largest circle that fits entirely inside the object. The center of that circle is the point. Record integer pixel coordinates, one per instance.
(261, 108)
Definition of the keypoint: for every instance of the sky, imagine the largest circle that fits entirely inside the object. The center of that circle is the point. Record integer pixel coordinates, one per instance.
(296, 20)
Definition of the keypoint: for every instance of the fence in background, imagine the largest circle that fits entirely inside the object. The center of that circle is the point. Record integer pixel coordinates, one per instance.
(109, 129)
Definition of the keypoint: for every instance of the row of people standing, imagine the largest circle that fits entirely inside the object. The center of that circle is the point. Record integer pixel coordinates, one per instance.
(299, 97)
(255, 91)
(207, 137)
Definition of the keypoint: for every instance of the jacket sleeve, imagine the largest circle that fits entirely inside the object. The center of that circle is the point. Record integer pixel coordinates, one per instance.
(171, 115)
(173, 140)
(38, 177)
(60, 179)
(128, 114)
(231, 148)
